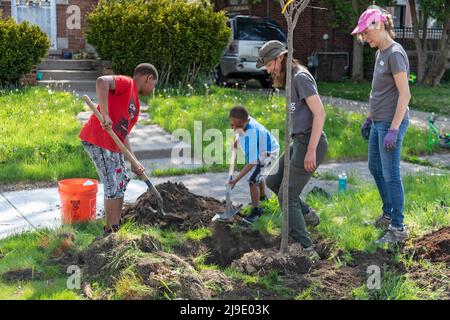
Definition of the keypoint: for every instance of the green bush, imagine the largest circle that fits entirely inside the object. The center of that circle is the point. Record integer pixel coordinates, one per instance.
(184, 41)
(21, 47)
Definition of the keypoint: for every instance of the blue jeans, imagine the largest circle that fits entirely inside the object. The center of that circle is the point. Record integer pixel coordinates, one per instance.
(384, 165)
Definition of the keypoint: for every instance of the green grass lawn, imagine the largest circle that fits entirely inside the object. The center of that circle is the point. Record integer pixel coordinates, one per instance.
(345, 221)
(39, 132)
(39, 137)
(422, 98)
(172, 112)
(32, 250)
(346, 218)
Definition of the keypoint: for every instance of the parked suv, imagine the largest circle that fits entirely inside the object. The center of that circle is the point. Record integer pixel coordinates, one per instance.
(249, 33)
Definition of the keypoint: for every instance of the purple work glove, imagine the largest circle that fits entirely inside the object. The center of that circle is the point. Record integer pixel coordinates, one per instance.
(365, 129)
(390, 141)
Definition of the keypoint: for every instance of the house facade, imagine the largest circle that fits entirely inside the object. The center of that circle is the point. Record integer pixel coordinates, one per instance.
(64, 21)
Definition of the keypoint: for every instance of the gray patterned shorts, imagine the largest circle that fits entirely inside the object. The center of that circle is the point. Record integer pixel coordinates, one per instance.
(111, 169)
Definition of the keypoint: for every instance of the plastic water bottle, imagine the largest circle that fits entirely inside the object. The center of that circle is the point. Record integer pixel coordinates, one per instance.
(342, 182)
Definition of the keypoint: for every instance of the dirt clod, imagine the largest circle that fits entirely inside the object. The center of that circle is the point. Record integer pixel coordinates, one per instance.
(22, 275)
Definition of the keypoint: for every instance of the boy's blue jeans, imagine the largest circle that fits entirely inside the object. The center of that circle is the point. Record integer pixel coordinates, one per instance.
(384, 165)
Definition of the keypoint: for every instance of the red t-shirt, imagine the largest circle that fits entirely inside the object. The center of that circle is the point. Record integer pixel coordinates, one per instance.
(123, 109)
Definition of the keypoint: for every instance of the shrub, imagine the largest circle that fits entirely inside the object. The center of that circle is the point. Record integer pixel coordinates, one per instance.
(21, 47)
(183, 40)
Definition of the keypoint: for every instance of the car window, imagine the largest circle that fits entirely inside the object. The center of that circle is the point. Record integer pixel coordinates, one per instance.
(259, 30)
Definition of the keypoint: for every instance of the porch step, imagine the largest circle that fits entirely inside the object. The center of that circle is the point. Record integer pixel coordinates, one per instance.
(69, 74)
(69, 85)
(63, 64)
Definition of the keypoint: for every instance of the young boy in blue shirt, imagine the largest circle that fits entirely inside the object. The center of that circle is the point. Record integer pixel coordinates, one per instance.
(261, 150)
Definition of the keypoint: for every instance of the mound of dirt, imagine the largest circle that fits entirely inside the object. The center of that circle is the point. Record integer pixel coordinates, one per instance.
(171, 276)
(164, 274)
(434, 246)
(108, 256)
(186, 210)
(265, 260)
(230, 241)
(21, 275)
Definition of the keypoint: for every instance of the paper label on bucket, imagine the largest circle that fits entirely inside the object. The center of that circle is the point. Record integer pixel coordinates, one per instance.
(88, 183)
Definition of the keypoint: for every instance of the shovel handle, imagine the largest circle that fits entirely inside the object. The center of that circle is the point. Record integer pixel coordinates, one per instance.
(233, 158)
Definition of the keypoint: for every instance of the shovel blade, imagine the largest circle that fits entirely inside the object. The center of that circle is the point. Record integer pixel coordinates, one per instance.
(230, 213)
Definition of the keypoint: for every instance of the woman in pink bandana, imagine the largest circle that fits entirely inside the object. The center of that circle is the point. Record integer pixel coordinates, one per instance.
(388, 119)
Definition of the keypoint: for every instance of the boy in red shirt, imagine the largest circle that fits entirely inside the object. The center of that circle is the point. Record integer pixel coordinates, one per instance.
(118, 98)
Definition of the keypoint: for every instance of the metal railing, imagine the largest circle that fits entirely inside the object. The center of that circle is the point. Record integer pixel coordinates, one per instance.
(408, 33)
(33, 3)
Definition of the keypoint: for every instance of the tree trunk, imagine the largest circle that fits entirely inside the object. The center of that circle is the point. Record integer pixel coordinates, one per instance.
(358, 51)
(358, 61)
(291, 16)
(421, 45)
(439, 62)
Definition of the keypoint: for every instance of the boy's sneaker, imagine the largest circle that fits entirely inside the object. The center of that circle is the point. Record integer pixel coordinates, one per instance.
(311, 254)
(393, 236)
(254, 215)
(383, 222)
(311, 218)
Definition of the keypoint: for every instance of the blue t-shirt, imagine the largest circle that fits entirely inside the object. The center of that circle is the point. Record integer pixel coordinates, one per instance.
(256, 141)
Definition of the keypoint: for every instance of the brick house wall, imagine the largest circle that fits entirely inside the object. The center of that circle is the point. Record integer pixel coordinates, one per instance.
(5, 7)
(72, 40)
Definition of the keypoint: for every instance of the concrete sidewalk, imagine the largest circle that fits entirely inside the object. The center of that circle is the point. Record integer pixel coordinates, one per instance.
(25, 210)
(34, 209)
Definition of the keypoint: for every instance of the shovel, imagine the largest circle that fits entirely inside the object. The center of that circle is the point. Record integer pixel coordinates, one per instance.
(231, 211)
(130, 158)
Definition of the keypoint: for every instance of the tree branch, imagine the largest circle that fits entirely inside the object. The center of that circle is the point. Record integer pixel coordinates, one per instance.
(300, 8)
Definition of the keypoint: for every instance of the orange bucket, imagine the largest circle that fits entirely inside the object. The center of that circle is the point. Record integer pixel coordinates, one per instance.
(78, 199)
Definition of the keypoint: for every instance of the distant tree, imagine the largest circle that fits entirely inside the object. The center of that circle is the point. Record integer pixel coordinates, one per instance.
(431, 68)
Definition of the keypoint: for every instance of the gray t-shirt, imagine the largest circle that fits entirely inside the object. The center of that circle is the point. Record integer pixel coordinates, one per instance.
(384, 94)
(303, 86)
